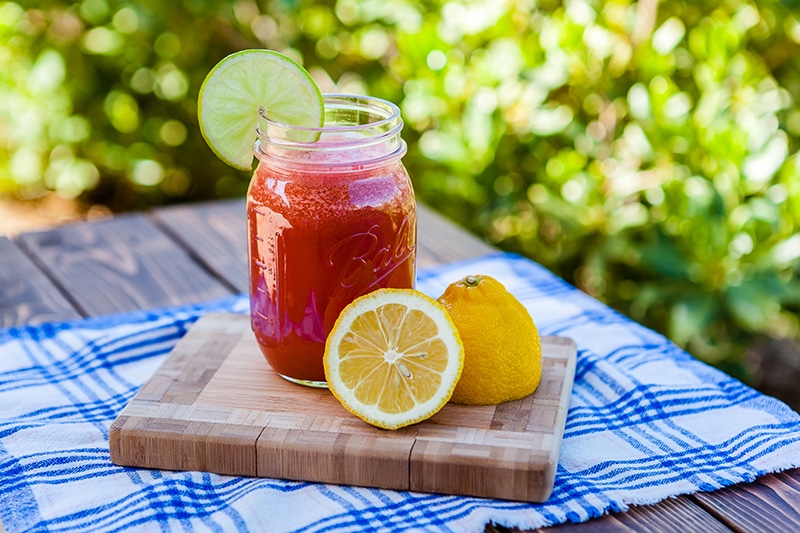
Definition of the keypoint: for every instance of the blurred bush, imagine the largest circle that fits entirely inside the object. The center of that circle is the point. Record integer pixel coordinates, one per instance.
(645, 151)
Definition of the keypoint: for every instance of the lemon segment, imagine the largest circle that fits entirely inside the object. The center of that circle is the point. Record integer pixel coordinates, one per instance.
(393, 357)
(502, 347)
(250, 84)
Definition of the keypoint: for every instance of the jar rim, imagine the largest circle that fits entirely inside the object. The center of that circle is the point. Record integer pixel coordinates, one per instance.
(387, 112)
(358, 130)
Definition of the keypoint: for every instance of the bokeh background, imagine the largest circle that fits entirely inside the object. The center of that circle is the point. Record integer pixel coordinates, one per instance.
(646, 151)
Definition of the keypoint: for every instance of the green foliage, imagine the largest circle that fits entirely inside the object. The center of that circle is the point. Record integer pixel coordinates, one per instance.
(646, 151)
(98, 98)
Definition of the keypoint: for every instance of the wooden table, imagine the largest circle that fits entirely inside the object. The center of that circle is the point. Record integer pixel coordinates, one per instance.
(189, 253)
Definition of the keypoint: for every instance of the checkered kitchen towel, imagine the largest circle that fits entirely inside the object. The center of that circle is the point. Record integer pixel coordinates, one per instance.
(646, 422)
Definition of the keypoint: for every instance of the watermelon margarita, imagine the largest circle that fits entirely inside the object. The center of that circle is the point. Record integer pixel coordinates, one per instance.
(329, 219)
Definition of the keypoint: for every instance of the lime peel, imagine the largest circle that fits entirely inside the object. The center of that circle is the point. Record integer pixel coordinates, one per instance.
(248, 85)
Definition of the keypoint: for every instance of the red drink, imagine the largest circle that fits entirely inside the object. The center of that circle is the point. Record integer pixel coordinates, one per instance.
(328, 221)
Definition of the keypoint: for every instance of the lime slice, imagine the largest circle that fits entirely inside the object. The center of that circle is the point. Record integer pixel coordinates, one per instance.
(250, 83)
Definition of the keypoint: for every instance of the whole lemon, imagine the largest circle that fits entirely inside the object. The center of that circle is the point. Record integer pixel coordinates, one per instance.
(502, 349)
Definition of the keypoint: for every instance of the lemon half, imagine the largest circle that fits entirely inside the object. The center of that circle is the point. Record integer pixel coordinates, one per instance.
(393, 357)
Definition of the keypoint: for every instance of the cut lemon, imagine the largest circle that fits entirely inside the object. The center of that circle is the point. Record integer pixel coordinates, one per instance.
(393, 357)
(250, 84)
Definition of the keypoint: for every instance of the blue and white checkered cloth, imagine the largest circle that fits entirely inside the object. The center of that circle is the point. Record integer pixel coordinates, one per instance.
(646, 421)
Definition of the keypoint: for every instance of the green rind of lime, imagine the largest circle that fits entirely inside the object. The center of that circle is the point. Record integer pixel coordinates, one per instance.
(250, 84)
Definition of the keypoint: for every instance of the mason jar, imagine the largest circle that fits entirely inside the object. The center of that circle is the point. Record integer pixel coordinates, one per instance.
(331, 215)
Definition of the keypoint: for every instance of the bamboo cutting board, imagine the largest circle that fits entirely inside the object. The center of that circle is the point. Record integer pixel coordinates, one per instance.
(215, 405)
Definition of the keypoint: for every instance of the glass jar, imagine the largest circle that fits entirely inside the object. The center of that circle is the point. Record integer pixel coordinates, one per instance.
(328, 221)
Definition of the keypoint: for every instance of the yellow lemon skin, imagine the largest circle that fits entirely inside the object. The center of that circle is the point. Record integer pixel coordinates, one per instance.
(502, 348)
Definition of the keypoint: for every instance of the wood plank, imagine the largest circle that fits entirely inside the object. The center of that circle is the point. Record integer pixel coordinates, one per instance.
(758, 506)
(27, 296)
(215, 233)
(120, 264)
(440, 241)
(216, 405)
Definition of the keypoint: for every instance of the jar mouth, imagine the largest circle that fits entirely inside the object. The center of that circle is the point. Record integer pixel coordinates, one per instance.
(357, 129)
(344, 113)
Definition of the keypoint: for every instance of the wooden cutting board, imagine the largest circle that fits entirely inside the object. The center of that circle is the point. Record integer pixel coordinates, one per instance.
(215, 405)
